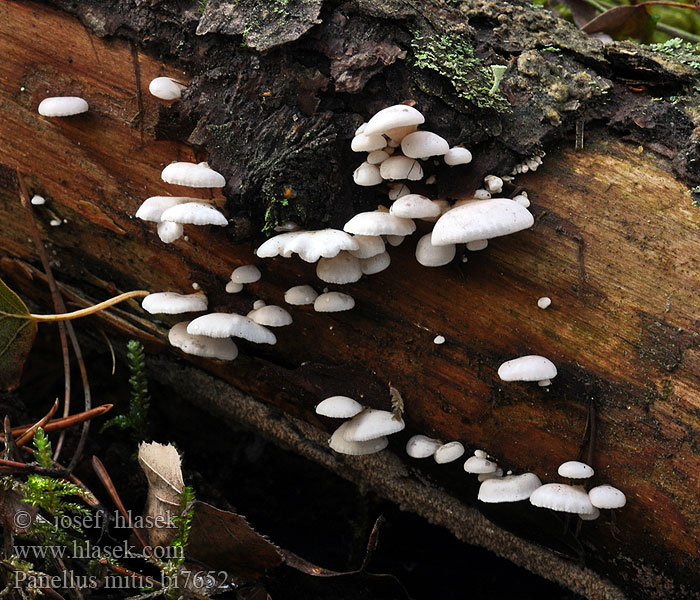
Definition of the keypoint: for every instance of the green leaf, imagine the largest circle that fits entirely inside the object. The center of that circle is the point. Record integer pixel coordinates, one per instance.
(16, 337)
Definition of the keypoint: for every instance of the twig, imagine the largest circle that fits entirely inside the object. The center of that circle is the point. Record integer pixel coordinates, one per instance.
(28, 434)
(47, 590)
(63, 422)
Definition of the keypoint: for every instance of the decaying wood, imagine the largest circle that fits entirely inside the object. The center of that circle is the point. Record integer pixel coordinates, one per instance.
(614, 245)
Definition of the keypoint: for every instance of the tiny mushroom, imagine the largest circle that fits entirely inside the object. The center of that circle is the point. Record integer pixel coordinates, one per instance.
(371, 424)
(562, 498)
(309, 245)
(38, 200)
(62, 106)
(171, 303)
(401, 167)
(341, 269)
(434, 256)
(200, 345)
(246, 274)
(369, 246)
(194, 213)
(421, 446)
(168, 231)
(192, 175)
(415, 206)
(333, 302)
(528, 368)
(544, 302)
(606, 496)
(300, 295)
(399, 115)
(343, 446)
(367, 175)
(165, 88)
(477, 464)
(221, 325)
(379, 223)
(271, 316)
(339, 407)
(574, 469)
(511, 488)
(375, 264)
(153, 208)
(233, 288)
(448, 452)
(424, 144)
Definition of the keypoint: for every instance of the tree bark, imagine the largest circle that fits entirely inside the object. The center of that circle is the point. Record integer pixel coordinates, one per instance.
(274, 97)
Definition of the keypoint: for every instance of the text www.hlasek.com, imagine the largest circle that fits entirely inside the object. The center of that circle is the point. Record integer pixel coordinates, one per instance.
(88, 550)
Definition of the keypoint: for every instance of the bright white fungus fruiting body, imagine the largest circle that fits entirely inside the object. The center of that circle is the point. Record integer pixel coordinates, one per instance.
(379, 223)
(392, 117)
(512, 488)
(439, 339)
(165, 88)
(371, 424)
(341, 269)
(233, 288)
(448, 452)
(423, 144)
(38, 200)
(194, 213)
(434, 256)
(168, 231)
(333, 302)
(339, 407)
(200, 345)
(309, 245)
(369, 246)
(221, 325)
(421, 446)
(606, 496)
(270, 316)
(528, 368)
(544, 302)
(574, 469)
(375, 264)
(401, 167)
(415, 206)
(458, 156)
(476, 464)
(343, 446)
(171, 303)
(300, 295)
(62, 106)
(192, 175)
(246, 274)
(562, 498)
(367, 175)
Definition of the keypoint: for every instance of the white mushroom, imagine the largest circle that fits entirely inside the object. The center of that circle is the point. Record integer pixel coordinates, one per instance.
(424, 144)
(309, 245)
(392, 117)
(544, 302)
(333, 302)
(371, 424)
(270, 316)
(339, 407)
(415, 206)
(221, 325)
(375, 264)
(367, 143)
(458, 156)
(38, 200)
(369, 246)
(367, 175)
(434, 256)
(421, 446)
(171, 303)
(341, 269)
(511, 488)
(448, 452)
(246, 274)
(401, 167)
(200, 345)
(606, 496)
(153, 208)
(477, 464)
(396, 190)
(528, 368)
(233, 288)
(562, 498)
(343, 446)
(377, 157)
(379, 223)
(62, 106)
(166, 88)
(477, 245)
(493, 184)
(300, 295)
(574, 469)
(194, 213)
(192, 175)
(168, 231)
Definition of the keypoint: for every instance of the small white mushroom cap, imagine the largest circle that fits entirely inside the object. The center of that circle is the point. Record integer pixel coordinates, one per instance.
(367, 175)
(606, 496)
(168, 231)
(481, 194)
(333, 302)
(165, 88)
(62, 106)
(375, 264)
(401, 167)
(493, 184)
(481, 220)
(38, 200)
(153, 208)
(399, 115)
(424, 144)
(395, 240)
(477, 245)
(434, 256)
(448, 452)
(481, 453)
(369, 246)
(171, 303)
(192, 175)
(544, 302)
(300, 295)
(458, 156)
(222, 325)
(486, 476)
(259, 303)
(377, 157)
(522, 200)
(415, 206)
(309, 245)
(396, 190)
(439, 340)
(590, 516)
(477, 464)
(444, 206)
(574, 469)
(246, 274)
(271, 316)
(371, 424)
(511, 488)
(527, 368)
(397, 134)
(341, 269)
(562, 498)
(339, 407)
(379, 223)
(343, 446)
(421, 446)
(200, 345)
(233, 288)
(367, 143)
(194, 213)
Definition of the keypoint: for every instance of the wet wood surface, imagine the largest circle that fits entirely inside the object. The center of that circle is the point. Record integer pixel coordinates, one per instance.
(615, 245)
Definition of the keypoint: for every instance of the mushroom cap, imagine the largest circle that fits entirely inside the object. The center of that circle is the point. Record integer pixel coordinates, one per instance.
(38, 200)
(434, 256)
(165, 88)
(458, 156)
(562, 498)
(448, 452)
(168, 231)
(246, 274)
(396, 190)
(369, 246)
(527, 368)
(481, 220)
(221, 325)
(194, 213)
(367, 175)
(378, 222)
(339, 407)
(200, 345)
(152, 208)
(421, 446)
(477, 245)
(590, 516)
(397, 134)
(300, 295)
(401, 167)
(375, 264)
(271, 316)
(377, 156)
(424, 144)
(511, 488)
(333, 302)
(62, 106)
(341, 269)
(607, 496)
(192, 175)
(486, 476)
(477, 464)
(371, 424)
(399, 115)
(414, 206)
(233, 288)
(493, 184)
(367, 143)
(574, 469)
(309, 245)
(343, 446)
(544, 302)
(171, 303)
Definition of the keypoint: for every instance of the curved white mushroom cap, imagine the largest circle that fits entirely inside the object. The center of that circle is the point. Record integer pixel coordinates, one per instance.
(192, 175)
(562, 498)
(477, 245)
(458, 156)
(246, 274)
(377, 157)
(233, 288)
(391, 117)
(168, 231)
(522, 200)
(309, 245)
(194, 213)
(527, 368)
(486, 476)
(401, 167)
(200, 345)
(341, 269)
(590, 516)
(544, 302)
(259, 303)
(477, 464)
(152, 208)
(377, 222)
(396, 190)
(367, 175)
(448, 452)
(165, 88)
(343, 446)
(421, 446)
(367, 143)
(481, 220)
(493, 184)
(221, 325)
(300, 295)
(434, 256)
(339, 407)
(371, 424)
(415, 206)
(370, 245)
(171, 303)
(333, 302)
(424, 144)
(606, 496)
(375, 264)
(271, 316)
(573, 469)
(38, 200)
(397, 134)
(62, 106)
(511, 488)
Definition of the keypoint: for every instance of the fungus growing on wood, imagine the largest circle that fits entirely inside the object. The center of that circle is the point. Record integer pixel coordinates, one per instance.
(200, 345)
(367, 175)
(309, 245)
(339, 407)
(333, 302)
(194, 213)
(172, 303)
(270, 316)
(341, 269)
(448, 452)
(375, 264)
(192, 175)
(458, 156)
(415, 206)
(528, 368)
(246, 274)
(424, 144)
(369, 246)
(434, 256)
(574, 469)
(606, 496)
(399, 115)
(378, 222)
(371, 424)
(478, 464)
(166, 88)
(401, 167)
(343, 446)
(512, 488)
(544, 302)
(62, 106)
(421, 446)
(300, 295)
(221, 325)
(562, 498)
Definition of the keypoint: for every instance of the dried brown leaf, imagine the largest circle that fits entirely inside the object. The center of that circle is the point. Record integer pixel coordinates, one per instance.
(622, 21)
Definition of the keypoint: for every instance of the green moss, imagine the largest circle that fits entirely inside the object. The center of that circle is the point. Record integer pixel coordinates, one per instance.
(452, 57)
(695, 195)
(685, 52)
